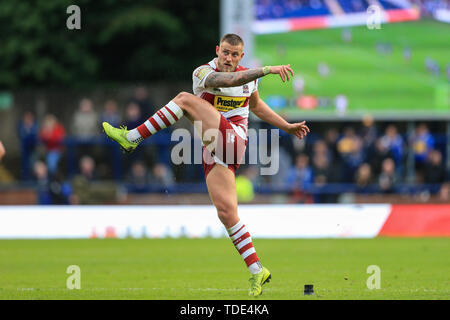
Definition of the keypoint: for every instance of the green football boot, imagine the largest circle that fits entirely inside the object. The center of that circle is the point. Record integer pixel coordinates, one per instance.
(257, 281)
(119, 136)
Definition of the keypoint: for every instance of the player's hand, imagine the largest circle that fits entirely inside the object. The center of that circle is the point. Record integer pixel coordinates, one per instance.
(283, 71)
(300, 130)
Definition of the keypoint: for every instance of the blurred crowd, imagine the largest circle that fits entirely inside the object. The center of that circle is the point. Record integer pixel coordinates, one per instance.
(365, 157)
(278, 9)
(370, 156)
(269, 9)
(429, 7)
(44, 146)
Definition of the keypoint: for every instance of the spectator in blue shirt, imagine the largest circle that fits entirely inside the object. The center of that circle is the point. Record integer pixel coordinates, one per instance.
(28, 135)
(393, 142)
(111, 114)
(43, 183)
(422, 143)
(350, 148)
(301, 174)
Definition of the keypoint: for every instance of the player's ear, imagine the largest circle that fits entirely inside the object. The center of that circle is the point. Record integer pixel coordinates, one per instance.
(217, 50)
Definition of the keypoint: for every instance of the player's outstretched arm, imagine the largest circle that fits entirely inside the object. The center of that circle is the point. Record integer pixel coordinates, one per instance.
(239, 78)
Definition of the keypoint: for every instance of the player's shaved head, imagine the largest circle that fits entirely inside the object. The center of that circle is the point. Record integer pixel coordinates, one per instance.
(232, 39)
(229, 52)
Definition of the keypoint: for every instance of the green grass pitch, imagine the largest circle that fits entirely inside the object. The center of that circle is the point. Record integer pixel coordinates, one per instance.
(373, 82)
(211, 269)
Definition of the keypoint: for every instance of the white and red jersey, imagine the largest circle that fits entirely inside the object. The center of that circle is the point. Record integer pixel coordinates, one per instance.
(232, 103)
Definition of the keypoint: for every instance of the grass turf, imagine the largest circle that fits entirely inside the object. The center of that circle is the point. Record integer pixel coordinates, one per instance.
(373, 82)
(212, 269)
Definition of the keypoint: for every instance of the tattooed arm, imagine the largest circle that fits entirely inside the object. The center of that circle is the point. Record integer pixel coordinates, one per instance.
(239, 78)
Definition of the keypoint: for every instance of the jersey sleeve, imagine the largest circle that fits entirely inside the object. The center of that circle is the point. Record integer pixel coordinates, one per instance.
(255, 88)
(199, 77)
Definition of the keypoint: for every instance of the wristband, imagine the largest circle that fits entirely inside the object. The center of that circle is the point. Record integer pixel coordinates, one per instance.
(266, 70)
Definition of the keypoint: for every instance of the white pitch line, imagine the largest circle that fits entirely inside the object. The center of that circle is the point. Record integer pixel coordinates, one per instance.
(214, 289)
(136, 289)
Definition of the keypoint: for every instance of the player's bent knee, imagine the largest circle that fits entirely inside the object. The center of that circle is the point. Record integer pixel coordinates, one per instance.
(183, 99)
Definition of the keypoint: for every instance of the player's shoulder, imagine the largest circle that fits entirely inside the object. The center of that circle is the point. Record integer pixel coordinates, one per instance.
(201, 71)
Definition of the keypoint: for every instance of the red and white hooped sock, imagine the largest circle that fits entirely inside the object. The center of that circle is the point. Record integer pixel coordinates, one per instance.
(163, 118)
(244, 245)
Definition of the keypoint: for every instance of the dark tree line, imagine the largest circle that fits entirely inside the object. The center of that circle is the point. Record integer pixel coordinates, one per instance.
(120, 41)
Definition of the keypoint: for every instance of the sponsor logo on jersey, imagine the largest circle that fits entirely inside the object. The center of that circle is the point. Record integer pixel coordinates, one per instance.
(225, 104)
(245, 88)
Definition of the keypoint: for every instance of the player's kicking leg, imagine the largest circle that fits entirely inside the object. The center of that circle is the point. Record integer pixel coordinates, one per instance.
(222, 190)
(220, 180)
(195, 108)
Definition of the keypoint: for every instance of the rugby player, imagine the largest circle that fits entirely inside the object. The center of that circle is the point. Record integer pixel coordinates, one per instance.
(223, 94)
